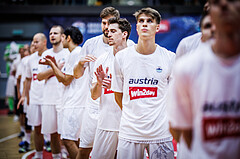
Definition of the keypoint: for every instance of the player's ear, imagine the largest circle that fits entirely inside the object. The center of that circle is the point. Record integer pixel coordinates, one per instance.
(157, 27)
(125, 34)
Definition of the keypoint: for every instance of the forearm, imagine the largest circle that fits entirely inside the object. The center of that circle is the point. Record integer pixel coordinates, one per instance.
(118, 98)
(176, 133)
(96, 91)
(45, 74)
(27, 86)
(58, 73)
(18, 86)
(78, 70)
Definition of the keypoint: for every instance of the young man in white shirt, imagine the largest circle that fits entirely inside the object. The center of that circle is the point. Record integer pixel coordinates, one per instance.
(53, 90)
(205, 95)
(93, 48)
(140, 82)
(74, 96)
(106, 138)
(34, 88)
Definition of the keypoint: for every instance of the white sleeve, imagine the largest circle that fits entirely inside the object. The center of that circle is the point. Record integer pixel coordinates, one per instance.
(181, 49)
(96, 65)
(117, 76)
(179, 100)
(28, 69)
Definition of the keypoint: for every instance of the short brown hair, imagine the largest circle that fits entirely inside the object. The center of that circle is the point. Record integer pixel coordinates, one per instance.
(149, 11)
(61, 28)
(109, 11)
(123, 24)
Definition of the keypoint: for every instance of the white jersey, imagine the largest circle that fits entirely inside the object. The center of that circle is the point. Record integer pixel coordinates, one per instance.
(188, 44)
(53, 90)
(36, 88)
(110, 112)
(143, 80)
(21, 71)
(96, 47)
(14, 67)
(75, 94)
(205, 96)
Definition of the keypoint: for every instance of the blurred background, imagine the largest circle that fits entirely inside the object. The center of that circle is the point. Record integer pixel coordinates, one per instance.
(21, 19)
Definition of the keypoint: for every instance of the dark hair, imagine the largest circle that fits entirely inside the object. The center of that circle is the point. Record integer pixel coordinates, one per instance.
(61, 28)
(75, 34)
(109, 11)
(204, 14)
(123, 24)
(149, 11)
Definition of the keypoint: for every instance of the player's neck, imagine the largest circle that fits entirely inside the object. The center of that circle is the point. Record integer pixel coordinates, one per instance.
(72, 47)
(120, 47)
(41, 51)
(57, 48)
(146, 47)
(226, 44)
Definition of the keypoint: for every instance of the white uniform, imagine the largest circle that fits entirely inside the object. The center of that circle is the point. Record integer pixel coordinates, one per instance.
(21, 71)
(74, 100)
(143, 80)
(94, 46)
(106, 138)
(52, 93)
(205, 97)
(186, 46)
(34, 113)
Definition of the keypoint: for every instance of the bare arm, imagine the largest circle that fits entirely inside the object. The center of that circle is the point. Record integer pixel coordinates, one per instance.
(45, 74)
(25, 93)
(18, 86)
(61, 77)
(96, 90)
(118, 98)
(79, 68)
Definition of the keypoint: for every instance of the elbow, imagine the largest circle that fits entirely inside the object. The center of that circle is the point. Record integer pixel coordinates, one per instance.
(94, 97)
(66, 83)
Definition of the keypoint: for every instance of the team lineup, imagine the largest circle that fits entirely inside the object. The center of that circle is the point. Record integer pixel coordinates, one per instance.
(112, 98)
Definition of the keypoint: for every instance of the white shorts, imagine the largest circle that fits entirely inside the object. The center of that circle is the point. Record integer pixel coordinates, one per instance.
(105, 144)
(130, 150)
(49, 119)
(59, 109)
(71, 123)
(89, 126)
(25, 106)
(34, 115)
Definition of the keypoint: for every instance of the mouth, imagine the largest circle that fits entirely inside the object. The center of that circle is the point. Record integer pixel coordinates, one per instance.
(144, 30)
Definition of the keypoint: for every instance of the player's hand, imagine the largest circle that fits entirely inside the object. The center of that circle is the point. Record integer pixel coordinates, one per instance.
(20, 102)
(88, 58)
(107, 82)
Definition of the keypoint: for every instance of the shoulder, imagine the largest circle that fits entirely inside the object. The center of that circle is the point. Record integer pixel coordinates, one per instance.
(47, 52)
(167, 53)
(92, 40)
(125, 52)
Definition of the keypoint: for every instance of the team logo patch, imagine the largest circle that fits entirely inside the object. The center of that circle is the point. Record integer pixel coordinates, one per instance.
(142, 92)
(108, 91)
(221, 127)
(34, 76)
(159, 69)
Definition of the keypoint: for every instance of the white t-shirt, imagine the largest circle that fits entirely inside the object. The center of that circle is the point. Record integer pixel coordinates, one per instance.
(188, 44)
(53, 90)
(143, 80)
(36, 88)
(205, 96)
(21, 71)
(14, 67)
(96, 47)
(75, 94)
(110, 112)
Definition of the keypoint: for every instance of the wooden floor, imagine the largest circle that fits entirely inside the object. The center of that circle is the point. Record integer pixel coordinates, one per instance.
(9, 148)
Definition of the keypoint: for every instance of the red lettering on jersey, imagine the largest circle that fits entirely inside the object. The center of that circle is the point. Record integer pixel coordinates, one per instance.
(218, 128)
(108, 91)
(142, 92)
(34, 76)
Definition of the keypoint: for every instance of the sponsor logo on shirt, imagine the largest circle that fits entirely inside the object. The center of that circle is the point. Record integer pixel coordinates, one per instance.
(142, 92)
(34, 77)
(145, 80)
(226, 106)
(220, 127)
(108, 91)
